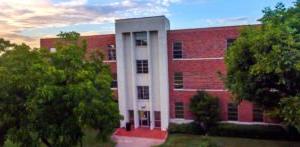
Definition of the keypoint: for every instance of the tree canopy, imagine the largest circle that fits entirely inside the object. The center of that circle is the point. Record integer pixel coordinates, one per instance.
(264, 62)
(51, 98)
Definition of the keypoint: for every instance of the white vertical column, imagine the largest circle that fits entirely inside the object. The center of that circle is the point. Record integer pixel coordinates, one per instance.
(150, 66)
(133, 74)
(163, 79)
(121, 78)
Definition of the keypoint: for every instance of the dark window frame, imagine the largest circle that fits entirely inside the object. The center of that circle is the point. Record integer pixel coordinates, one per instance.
(114, 83)
(257, 114)
(177, 51)
(141, 39)
(232, 112)
(143, 92)
(178, 80)
(112, 54)
(142, 66)
(179, 110)
(157, 119)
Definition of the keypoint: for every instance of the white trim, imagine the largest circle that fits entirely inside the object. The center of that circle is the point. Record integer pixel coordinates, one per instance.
(114, 88)
(250, 123)
(181, 121)
(192, 90)
(198, 59)
(109, 61)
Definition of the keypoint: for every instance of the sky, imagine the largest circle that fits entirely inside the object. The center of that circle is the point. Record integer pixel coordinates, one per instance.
(29, 20)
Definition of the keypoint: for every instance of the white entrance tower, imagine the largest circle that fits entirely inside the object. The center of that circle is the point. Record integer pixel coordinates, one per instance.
(142, 66)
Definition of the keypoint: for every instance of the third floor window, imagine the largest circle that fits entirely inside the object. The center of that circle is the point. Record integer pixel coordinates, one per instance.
(112, 52)
(141, 38)
(177, 50)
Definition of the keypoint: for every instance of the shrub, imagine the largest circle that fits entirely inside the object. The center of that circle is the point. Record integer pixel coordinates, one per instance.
(205, 108)
(252, 131)
(190, 128)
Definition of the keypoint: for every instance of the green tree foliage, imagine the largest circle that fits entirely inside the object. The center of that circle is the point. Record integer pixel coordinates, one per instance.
(50, 98)
(205, 108)
(264, 62)
(290, 110)
(5, 45)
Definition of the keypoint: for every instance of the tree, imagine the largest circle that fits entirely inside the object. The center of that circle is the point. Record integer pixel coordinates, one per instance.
(290, 110)
(51, 98)
(264, 62)
(205, 108)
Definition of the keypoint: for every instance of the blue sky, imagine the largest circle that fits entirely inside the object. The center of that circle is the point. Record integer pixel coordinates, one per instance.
(30, 20)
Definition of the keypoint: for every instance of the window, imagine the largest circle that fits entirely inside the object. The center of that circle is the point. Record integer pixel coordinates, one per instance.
(157, 120)
(230, 42)
(177, 50)
(257, 113)
(179, 110)
(178, 80)
(131, 117)
(143, 92)
(232, 112)
(142, 66)
(111, 52)
(141, 39)
(52, 50)
(114, 83)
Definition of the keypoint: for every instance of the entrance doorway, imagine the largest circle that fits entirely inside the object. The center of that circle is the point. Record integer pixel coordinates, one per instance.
(144, 118)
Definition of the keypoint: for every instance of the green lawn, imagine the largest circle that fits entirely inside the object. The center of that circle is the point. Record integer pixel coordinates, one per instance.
(183, 140)
(88, 141)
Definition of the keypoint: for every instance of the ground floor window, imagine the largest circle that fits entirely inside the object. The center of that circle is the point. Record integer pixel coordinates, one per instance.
(157, 119)
(131, 117)
(257, 113)
(179, 110)
(232, 112)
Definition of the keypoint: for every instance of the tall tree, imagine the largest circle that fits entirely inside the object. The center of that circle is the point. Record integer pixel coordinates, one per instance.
(50, 98)
(264, 62)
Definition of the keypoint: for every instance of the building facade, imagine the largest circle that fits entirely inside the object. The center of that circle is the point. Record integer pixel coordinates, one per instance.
(157, 70)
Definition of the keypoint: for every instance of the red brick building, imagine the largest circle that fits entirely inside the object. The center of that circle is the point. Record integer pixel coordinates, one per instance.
(194, 58)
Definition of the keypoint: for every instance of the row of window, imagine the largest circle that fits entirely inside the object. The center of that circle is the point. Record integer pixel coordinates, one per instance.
(141, 40)
(232, 112)
(178, 48)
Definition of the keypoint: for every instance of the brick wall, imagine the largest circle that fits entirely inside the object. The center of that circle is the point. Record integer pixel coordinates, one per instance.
(203, 52)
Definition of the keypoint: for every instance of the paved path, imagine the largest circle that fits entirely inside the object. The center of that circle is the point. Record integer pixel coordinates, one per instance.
(135, 141)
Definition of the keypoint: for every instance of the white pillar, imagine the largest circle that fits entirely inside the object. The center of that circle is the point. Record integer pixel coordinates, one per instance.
(150, 66)
(121, 79)
(133, 71)
(163, 79)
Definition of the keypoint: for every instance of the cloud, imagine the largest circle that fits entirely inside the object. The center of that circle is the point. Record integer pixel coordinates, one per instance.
(19, 15)
(243, 20)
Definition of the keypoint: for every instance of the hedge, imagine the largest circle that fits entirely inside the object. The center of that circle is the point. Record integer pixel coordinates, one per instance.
(190, 128)
(254, 131)
(239, 130)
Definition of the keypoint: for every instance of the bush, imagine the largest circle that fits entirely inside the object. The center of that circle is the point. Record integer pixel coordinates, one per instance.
(190, 128)
(252, 131)
(205, 108)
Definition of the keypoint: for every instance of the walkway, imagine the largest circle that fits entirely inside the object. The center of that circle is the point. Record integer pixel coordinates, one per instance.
(140, 137)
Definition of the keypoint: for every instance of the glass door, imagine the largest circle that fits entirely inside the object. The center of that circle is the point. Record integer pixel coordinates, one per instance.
(144, 118)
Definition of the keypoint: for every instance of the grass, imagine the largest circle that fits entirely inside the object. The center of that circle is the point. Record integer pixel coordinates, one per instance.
(89, 140)
(180, 140)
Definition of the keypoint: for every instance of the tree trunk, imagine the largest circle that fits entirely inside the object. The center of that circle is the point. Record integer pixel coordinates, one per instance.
(46, 142)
